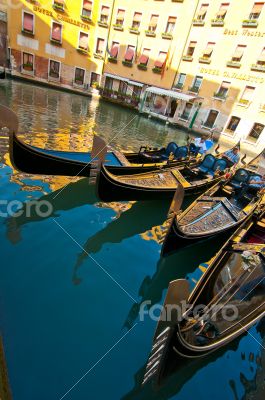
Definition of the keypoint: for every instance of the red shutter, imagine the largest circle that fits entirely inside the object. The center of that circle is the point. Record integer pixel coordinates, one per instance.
(114, 50)
(129, 54)
(28, 22)
(87, 5)
(161, 59)
(56, 31)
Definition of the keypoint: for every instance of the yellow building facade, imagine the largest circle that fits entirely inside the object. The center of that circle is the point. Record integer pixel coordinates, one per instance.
(196, 64)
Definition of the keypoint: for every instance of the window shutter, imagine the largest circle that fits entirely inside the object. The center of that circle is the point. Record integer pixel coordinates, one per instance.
(56, 31)
(83, 40)
(28, 22)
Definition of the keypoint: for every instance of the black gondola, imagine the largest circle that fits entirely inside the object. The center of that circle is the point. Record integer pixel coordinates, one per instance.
(220, 209)
(115, 185)
(227, 300)
(34, 160)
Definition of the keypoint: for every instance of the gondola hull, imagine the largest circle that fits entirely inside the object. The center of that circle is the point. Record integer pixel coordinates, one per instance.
(33, 160)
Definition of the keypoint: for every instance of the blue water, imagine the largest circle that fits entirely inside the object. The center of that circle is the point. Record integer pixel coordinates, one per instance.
(72, 283)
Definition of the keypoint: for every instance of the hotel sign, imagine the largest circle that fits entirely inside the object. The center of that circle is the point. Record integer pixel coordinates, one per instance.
(60, 17)
(232, 75)
(244, 32)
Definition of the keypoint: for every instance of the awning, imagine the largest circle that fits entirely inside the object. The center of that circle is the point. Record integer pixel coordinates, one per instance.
(136, 83)
(172, 20)
(257, 8)
(171, 93)
(143, 59)
(105, 10)
(120, 78)
(161, 59)
(129, 54)
(87, 5)
(120, 14)
(114, 50)
(137, 17)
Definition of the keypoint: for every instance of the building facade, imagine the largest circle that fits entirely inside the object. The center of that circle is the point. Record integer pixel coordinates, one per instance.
(193, 63)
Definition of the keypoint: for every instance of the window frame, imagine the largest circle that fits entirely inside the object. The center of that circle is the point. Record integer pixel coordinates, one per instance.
(82, 8)
(22, 59)
(58, 23)
(49, 67)
(208, 114)
(78, 44)
(255, 141)
(100, 14)
(29, 13)
(84, 76)
(96, 46)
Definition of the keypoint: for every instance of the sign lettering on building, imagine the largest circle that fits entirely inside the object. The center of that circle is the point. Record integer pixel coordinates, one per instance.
(232, 75)
(244, 32)
(60, 17)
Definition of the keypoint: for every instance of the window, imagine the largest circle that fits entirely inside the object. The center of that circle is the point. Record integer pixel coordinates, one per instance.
(247, 95)
(210, 121)
(233, 124)
(197, 84)
(108, 83)
(159, 63)
(100, 46)
(120, 17)
(191, 49)
(239, 53)
(136, 20)
(153, 23)
(114, 50)
(180, 81)
(144, 58)
(208, 51)
(223, 90)
(54, 69)
(171, 24)
(79, 76)
(28, 61)
(222, 11)
(104, 15)
(261, 59)
(83, 41)
(186, 112)
(255, 132)
(129, 55)
(95, 79)
(28, 22)
(256, 11)
(202, 13)
(56, 32)
(87, 9)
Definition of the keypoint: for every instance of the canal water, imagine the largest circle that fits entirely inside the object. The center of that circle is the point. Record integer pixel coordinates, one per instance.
(72, 284)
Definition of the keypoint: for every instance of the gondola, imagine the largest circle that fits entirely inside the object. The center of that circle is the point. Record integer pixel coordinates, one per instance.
(219, 210)
(34, 160)
(227, 300)
(115, 185)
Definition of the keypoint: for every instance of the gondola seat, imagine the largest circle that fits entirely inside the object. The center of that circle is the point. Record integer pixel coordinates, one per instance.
(220, 165)
(207, 164)
(171, 148)
(181, 152)
(194, 150)
(241, 176)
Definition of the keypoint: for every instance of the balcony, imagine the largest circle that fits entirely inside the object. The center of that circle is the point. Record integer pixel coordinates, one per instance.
(258, 67)
(233, 64)
(150, 33)
(82, 51)
(244, 103)
(198, 22)
(217, 22)
(142, 67)
(118, 27)
(194, 89)
(167, 35)
(250, 23)
(187, 58)
(56, 42)
(205, 60)
(134, 30)
(27, 33)
(127, 63)
(103, 24)
(157, 70)
(178, 86)
(99, 56)
(220, 96)
(113, 60)
(85, 18)
(58, 7)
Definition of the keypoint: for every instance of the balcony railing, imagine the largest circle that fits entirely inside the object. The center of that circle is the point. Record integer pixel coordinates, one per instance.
(194, 89)
(157, 70)
(86, 18)
(220, 96)
(179, 86)
(56, 42)
(113, 60)
(187, 58)
(205, 60)
(198, 22)
(167, 35)
(118, 27)
(150, 33)
(244, 102)
(99, 56)
(103, 24)
(250, 23)
(134, 30)
(217, 22)
(258, 67)
(127, 63)
(233, 64)
(82, 51)
(58, 7)
(142, 67)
